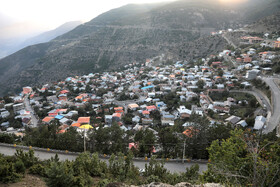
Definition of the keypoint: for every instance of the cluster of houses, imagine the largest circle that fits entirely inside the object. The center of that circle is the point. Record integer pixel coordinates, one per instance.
(139, 90)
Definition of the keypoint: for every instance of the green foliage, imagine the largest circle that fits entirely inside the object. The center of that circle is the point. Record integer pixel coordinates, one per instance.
(109, 140)
(146, 140)
(7, 138)
(37, 169)
(47, 137)
(243, 159)
(155, 168)
(59, 174)
(27, 158)
(121, 168)
(19, 167)
(91, 165)
(8, 172)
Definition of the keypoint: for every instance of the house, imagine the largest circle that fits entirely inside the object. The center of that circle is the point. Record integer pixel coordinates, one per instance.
(233, 120)
(221, 109)
(71, 113)
(167, 119)
(247, 60)
(64, 120)
(147, 121)
(251, 74)
(259, 122)
(26, 90)
(146, 113)
(5, 114)
(133, 106)
(190, 132)
(59, 117)
(216, 64)
(18, 107)
(64, 92)
(136, 119)
(133, 145)
(184, 112)
(84, 120)
(117, 117)
(242, 123)
(47, 120)
(5, 124)
(151, 108)
(108, 119)
(276, 44)
(118, 109)
(251, 40)
(62, 97)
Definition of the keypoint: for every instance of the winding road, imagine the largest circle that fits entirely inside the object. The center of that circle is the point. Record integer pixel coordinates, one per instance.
(43, 154)
(260, 97)
(274, 120)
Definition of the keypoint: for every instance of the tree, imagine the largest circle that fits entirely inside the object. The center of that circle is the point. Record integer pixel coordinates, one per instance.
(59, 174)
(200, 84)
(170, 142)
(146, 140)
(244, 158)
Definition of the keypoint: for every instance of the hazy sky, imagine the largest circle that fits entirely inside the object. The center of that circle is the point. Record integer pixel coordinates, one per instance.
(21, 17)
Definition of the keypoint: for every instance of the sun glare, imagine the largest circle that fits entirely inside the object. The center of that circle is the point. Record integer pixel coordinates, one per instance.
(232, 1)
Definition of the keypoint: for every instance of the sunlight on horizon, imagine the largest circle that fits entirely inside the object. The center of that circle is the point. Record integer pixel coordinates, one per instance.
(52, 13)
(232, 1)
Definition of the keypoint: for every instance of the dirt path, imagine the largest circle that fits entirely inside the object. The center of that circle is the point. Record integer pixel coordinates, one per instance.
(27, 181)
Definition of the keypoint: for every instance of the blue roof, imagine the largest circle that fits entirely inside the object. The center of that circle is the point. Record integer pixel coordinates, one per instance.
(59, 117)
(147, 87)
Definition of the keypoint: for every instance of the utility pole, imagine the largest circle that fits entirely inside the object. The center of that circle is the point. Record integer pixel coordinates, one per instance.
(84, 140)
(184, 150)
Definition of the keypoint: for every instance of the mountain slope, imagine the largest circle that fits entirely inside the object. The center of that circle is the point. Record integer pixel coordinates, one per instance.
(268, 24)
(121, 36)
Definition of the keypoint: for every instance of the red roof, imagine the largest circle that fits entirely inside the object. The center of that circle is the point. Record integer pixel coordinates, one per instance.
(145, 112)
(130, 145)
(119, 115)
(215, 63)
(53, 114)
(84, 120)
(61, 110)
(190, 132)
(76, 125)
(118, 108)
(153, 107)
(61, 131)
(64, 91)
(47, 119)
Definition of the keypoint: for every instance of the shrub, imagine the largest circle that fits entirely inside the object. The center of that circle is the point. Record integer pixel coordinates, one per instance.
(58, 174)
(37, 169)
(27, 158)
(8, 172)
(19, 167)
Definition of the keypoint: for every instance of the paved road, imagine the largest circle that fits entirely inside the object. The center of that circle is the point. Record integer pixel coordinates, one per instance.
(43, 155)
(34, 120)
(261, 99)
(274, 120)
(228, 41)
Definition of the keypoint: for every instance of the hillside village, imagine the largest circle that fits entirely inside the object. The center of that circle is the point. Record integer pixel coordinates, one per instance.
(143, 95)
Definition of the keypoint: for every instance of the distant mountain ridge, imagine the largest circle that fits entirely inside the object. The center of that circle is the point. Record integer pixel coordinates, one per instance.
(11, 46)
(130, 33)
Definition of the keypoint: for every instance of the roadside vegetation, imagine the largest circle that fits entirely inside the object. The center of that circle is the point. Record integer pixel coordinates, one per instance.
(244, 158)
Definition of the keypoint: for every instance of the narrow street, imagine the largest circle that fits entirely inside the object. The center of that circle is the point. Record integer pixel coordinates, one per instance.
(34, 120)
